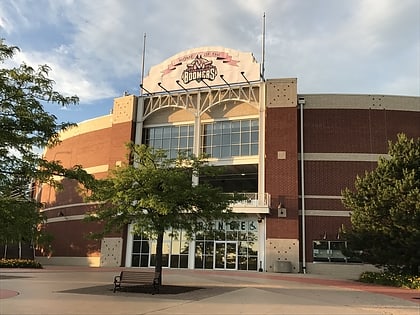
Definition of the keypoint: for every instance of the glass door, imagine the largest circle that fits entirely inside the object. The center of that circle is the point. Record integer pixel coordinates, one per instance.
(225, 255)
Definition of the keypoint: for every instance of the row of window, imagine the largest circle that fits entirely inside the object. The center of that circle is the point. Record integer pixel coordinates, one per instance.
(221, 139)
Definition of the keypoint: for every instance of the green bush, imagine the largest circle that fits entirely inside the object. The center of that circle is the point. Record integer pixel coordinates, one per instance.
(19, 263)
(391, 279)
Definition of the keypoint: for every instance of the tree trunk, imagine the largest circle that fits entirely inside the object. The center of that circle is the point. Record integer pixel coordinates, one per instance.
(159, 252)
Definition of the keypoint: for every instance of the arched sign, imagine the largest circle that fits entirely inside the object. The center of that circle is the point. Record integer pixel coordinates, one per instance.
(200, 67)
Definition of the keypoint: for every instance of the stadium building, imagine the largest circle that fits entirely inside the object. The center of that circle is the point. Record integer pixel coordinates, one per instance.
(291, 154)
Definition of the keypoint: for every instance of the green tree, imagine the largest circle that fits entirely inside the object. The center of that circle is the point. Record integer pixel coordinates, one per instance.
(385, 209)
(156, 193)
(25, 127)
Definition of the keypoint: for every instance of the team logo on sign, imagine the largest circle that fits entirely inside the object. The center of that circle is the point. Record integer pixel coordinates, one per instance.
(199, 69)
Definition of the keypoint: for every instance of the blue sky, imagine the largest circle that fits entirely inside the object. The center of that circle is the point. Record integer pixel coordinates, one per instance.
(94, 47)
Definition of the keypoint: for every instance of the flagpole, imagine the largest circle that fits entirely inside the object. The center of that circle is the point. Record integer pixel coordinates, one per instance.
(263, 49)
(142, 63)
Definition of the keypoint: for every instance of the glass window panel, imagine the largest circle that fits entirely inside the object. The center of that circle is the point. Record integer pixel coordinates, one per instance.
(254, 124)
(183, 132)
(217, 128)
(226, 127)
(243, 236)
(235, 138)
(245, 137)
(242, 263)
(320, 244)
(207, 129)
(254, 149)
(175, 249)
(225, 152)
(144, 261)
(157, 144)
(254, 136)
(216, 152)
(252, 236)
(136, 247)
(236, 126)
(135, 261)
(235, 150)
(166, 144)
(231, 235)
(183, 143)
(217, 140)
(175, 132)
(145, 247)
(252, 263)
(166, 132)
(209, 247)
(245, 150)
(199, 248)
(242, 248)
(174, 143)
(226, 139)
(158, 133)
(198, 263)
(219, 235)
(174, 261)
(185, 247)
(252, 248)
(190, 142)
(208, 264)
(245, 125)
(183, 263)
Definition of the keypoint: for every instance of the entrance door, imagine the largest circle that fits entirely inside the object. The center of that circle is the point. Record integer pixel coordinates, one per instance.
(225, 255)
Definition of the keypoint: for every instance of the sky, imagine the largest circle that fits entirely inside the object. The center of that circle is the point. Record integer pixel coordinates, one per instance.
(331, 46)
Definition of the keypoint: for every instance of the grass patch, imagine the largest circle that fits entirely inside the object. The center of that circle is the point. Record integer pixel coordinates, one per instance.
(19, 263)
(391, 279)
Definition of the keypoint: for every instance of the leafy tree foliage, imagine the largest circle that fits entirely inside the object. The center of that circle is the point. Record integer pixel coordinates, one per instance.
(155, 193)
(386, 208)
(24, 127)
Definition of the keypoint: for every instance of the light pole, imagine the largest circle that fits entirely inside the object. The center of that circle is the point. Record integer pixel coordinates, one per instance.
(301, 102)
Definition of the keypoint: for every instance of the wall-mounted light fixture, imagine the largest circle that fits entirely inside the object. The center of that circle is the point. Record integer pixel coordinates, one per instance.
(163, 88)
(177, 82)
(222, 77)
(243, 74)
(206, 84)
(144, 89)
(281, 211)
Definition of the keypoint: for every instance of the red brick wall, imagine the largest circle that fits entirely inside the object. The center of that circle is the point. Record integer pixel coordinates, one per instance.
(281, 175)
(356, 130)
(96, 148)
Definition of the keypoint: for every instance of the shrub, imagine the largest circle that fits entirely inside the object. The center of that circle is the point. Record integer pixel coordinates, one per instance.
(391, 279)
(19, 263)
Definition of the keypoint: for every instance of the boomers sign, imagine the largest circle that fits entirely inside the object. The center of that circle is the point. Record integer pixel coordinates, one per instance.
(198, 70)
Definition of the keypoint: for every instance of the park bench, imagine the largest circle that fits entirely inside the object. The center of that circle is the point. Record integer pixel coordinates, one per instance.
(137, 278)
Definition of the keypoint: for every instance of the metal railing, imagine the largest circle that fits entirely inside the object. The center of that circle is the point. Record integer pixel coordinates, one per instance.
(254, 200)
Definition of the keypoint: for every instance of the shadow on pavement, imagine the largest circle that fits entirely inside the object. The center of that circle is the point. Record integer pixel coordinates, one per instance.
(166, 291)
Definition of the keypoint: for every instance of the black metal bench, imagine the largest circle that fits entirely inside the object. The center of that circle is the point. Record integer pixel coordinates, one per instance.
(136, 278)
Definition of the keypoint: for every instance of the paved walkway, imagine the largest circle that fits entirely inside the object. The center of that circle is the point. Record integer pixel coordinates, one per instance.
(79, 290)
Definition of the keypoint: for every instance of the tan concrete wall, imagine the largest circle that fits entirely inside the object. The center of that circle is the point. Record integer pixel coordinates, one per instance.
(282, 250)
(281, 93)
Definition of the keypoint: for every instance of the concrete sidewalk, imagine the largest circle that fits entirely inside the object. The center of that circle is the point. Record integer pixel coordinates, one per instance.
(79, 290)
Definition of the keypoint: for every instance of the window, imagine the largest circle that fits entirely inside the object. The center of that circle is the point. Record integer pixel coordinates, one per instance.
(223, 139)
(170, 138)
(331, 251)
(175, 250)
